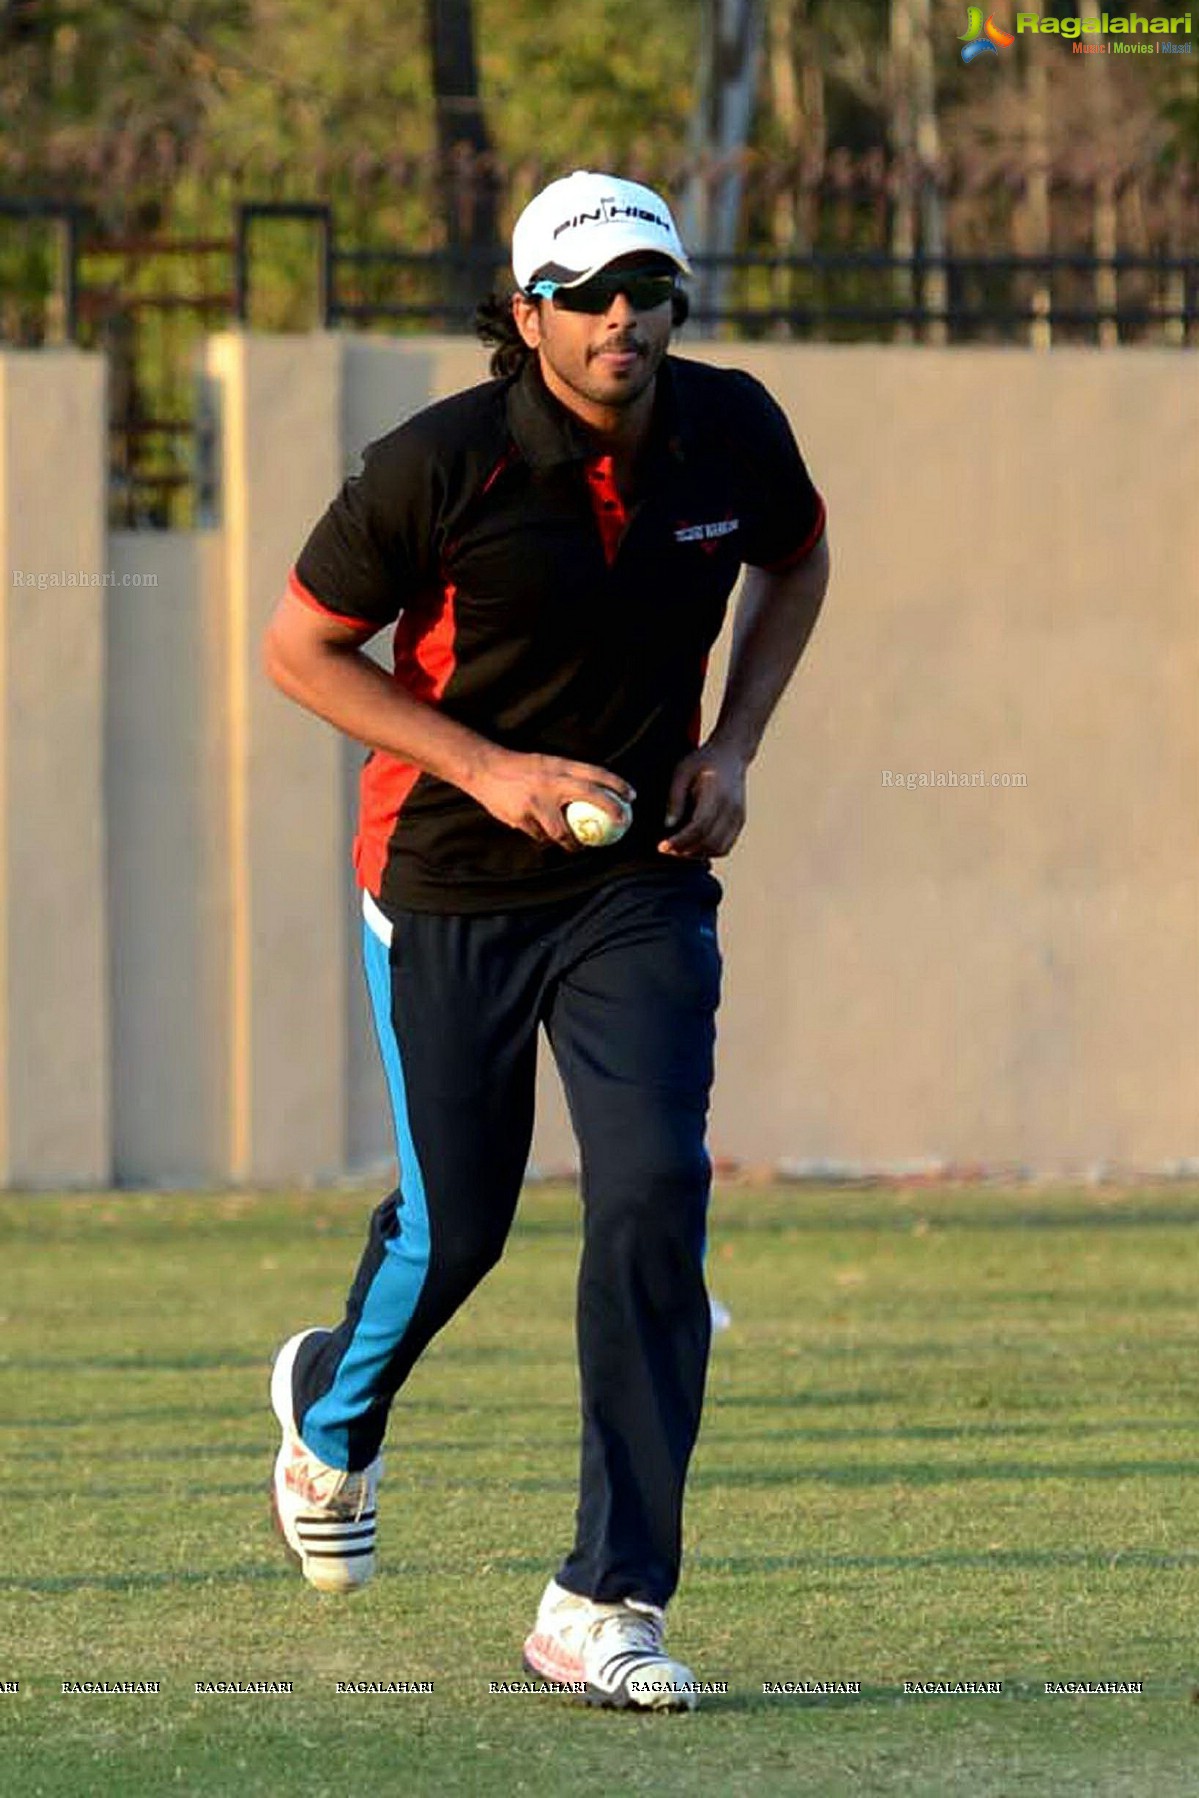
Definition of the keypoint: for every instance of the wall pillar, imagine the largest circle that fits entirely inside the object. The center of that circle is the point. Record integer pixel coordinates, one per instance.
(280, 432)
(54, 1010)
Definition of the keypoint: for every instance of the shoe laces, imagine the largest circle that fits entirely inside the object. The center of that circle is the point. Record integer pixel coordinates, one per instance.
(630, 1627)
(344, 1495)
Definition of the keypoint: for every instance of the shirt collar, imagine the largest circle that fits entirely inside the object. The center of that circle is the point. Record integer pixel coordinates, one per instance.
(546, 434)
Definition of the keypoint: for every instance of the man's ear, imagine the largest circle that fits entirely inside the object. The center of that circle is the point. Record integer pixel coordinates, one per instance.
(526, 315)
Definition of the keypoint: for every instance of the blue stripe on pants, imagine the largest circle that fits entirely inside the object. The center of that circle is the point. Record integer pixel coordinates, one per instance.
(396, 1287)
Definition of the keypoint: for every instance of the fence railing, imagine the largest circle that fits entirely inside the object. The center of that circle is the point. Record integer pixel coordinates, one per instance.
(833, 253)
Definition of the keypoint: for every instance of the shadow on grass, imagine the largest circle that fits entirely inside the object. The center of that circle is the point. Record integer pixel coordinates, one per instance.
(987, 1561)
(193, 1451)
(966, 1213)
(888, 1213)
(998, 1560)
(798, 1401)
(894, 1473)
(150, 1414)
(121, 1495)
(202, 1361)
(191, 1416)
(990, 1560)
(942, 1473)
(503, 1352)
(948, 1432)
(254, 1573)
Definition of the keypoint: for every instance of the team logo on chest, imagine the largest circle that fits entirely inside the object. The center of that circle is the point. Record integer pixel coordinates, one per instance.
(706, 535)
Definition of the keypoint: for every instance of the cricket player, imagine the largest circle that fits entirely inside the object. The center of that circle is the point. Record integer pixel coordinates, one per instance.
(553, 552)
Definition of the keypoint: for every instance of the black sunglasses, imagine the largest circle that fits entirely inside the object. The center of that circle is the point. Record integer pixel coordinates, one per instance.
(642, 289)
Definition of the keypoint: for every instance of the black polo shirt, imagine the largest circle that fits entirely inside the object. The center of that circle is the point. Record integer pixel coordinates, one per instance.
(530, 606)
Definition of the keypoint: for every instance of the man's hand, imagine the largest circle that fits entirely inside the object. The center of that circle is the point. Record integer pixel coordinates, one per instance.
(317, 660)
(775, 616)
(706, 810)
(530, 792)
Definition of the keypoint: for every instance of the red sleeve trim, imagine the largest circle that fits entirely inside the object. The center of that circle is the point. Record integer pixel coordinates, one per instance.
(806, 547)
(296, 587)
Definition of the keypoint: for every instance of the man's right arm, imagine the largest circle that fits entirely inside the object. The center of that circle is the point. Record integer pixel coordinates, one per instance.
(317, 661)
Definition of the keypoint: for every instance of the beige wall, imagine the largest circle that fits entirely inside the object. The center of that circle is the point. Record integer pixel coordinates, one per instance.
(54, 1016)
(1002, 974)
(169, 906)
(281, 462)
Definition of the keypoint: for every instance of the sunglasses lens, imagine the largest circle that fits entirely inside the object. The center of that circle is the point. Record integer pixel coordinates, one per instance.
(648, 291)
(643, 292)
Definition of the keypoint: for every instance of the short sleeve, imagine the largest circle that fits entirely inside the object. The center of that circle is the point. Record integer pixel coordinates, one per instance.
(783, 515)
(373, 553)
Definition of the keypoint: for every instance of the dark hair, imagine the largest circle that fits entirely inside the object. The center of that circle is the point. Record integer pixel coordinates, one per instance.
(496, 327)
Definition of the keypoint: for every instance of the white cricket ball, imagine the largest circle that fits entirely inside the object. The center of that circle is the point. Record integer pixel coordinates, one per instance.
(590, 825)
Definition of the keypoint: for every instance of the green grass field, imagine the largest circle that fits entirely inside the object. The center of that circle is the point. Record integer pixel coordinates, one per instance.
(950, 1436)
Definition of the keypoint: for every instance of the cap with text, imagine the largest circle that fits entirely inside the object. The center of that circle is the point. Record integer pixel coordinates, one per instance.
(579, 224)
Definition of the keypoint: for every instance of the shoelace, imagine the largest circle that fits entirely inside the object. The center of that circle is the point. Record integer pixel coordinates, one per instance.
(630, 1629)
(347, 1495)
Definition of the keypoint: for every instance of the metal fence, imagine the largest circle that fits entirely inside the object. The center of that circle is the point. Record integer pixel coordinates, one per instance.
(839, 251)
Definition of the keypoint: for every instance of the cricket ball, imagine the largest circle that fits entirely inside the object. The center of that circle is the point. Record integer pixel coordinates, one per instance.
(592, 826)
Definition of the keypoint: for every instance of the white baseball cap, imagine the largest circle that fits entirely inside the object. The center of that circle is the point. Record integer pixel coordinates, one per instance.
(581, 223)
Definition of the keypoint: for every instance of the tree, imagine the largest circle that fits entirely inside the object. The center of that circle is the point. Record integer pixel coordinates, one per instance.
(21, 21)
(466, 173)
(726, 92)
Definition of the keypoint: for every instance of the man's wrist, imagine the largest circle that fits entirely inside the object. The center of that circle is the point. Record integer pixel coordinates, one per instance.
(735, 740)
(479, 764)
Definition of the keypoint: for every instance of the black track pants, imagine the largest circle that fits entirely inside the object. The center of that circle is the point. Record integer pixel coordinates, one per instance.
(626, 982)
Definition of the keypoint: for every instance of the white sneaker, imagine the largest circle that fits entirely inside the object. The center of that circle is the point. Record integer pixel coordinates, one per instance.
(612, 1654)
(325, 1515)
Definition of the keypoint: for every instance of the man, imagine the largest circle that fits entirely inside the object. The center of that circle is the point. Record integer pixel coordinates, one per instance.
(555, 550)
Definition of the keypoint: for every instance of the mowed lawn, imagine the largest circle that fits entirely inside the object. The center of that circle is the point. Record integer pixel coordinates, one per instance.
(952, 1435)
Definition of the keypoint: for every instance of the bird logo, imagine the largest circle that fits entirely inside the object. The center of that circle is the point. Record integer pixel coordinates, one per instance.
(978, 38)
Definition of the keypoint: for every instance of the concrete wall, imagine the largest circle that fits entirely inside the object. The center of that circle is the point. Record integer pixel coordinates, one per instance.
(54, 1013)
(281, 459)
(1005, 972)
(170, 907)
(997, 973)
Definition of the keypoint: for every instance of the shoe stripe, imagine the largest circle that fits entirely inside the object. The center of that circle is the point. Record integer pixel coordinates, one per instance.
(335, 1543)
(333, 1527)
(337, 1554)
(316, 1521)
(334, 1523)
(630, 1662)
(352, 1539)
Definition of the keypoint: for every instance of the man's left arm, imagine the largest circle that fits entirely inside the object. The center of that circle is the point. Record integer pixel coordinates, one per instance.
(776, 614)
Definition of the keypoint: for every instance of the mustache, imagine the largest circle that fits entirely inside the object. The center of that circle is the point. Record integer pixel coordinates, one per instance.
(621, 343)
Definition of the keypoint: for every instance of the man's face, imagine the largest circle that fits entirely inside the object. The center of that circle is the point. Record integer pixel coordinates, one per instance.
(598, 363)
